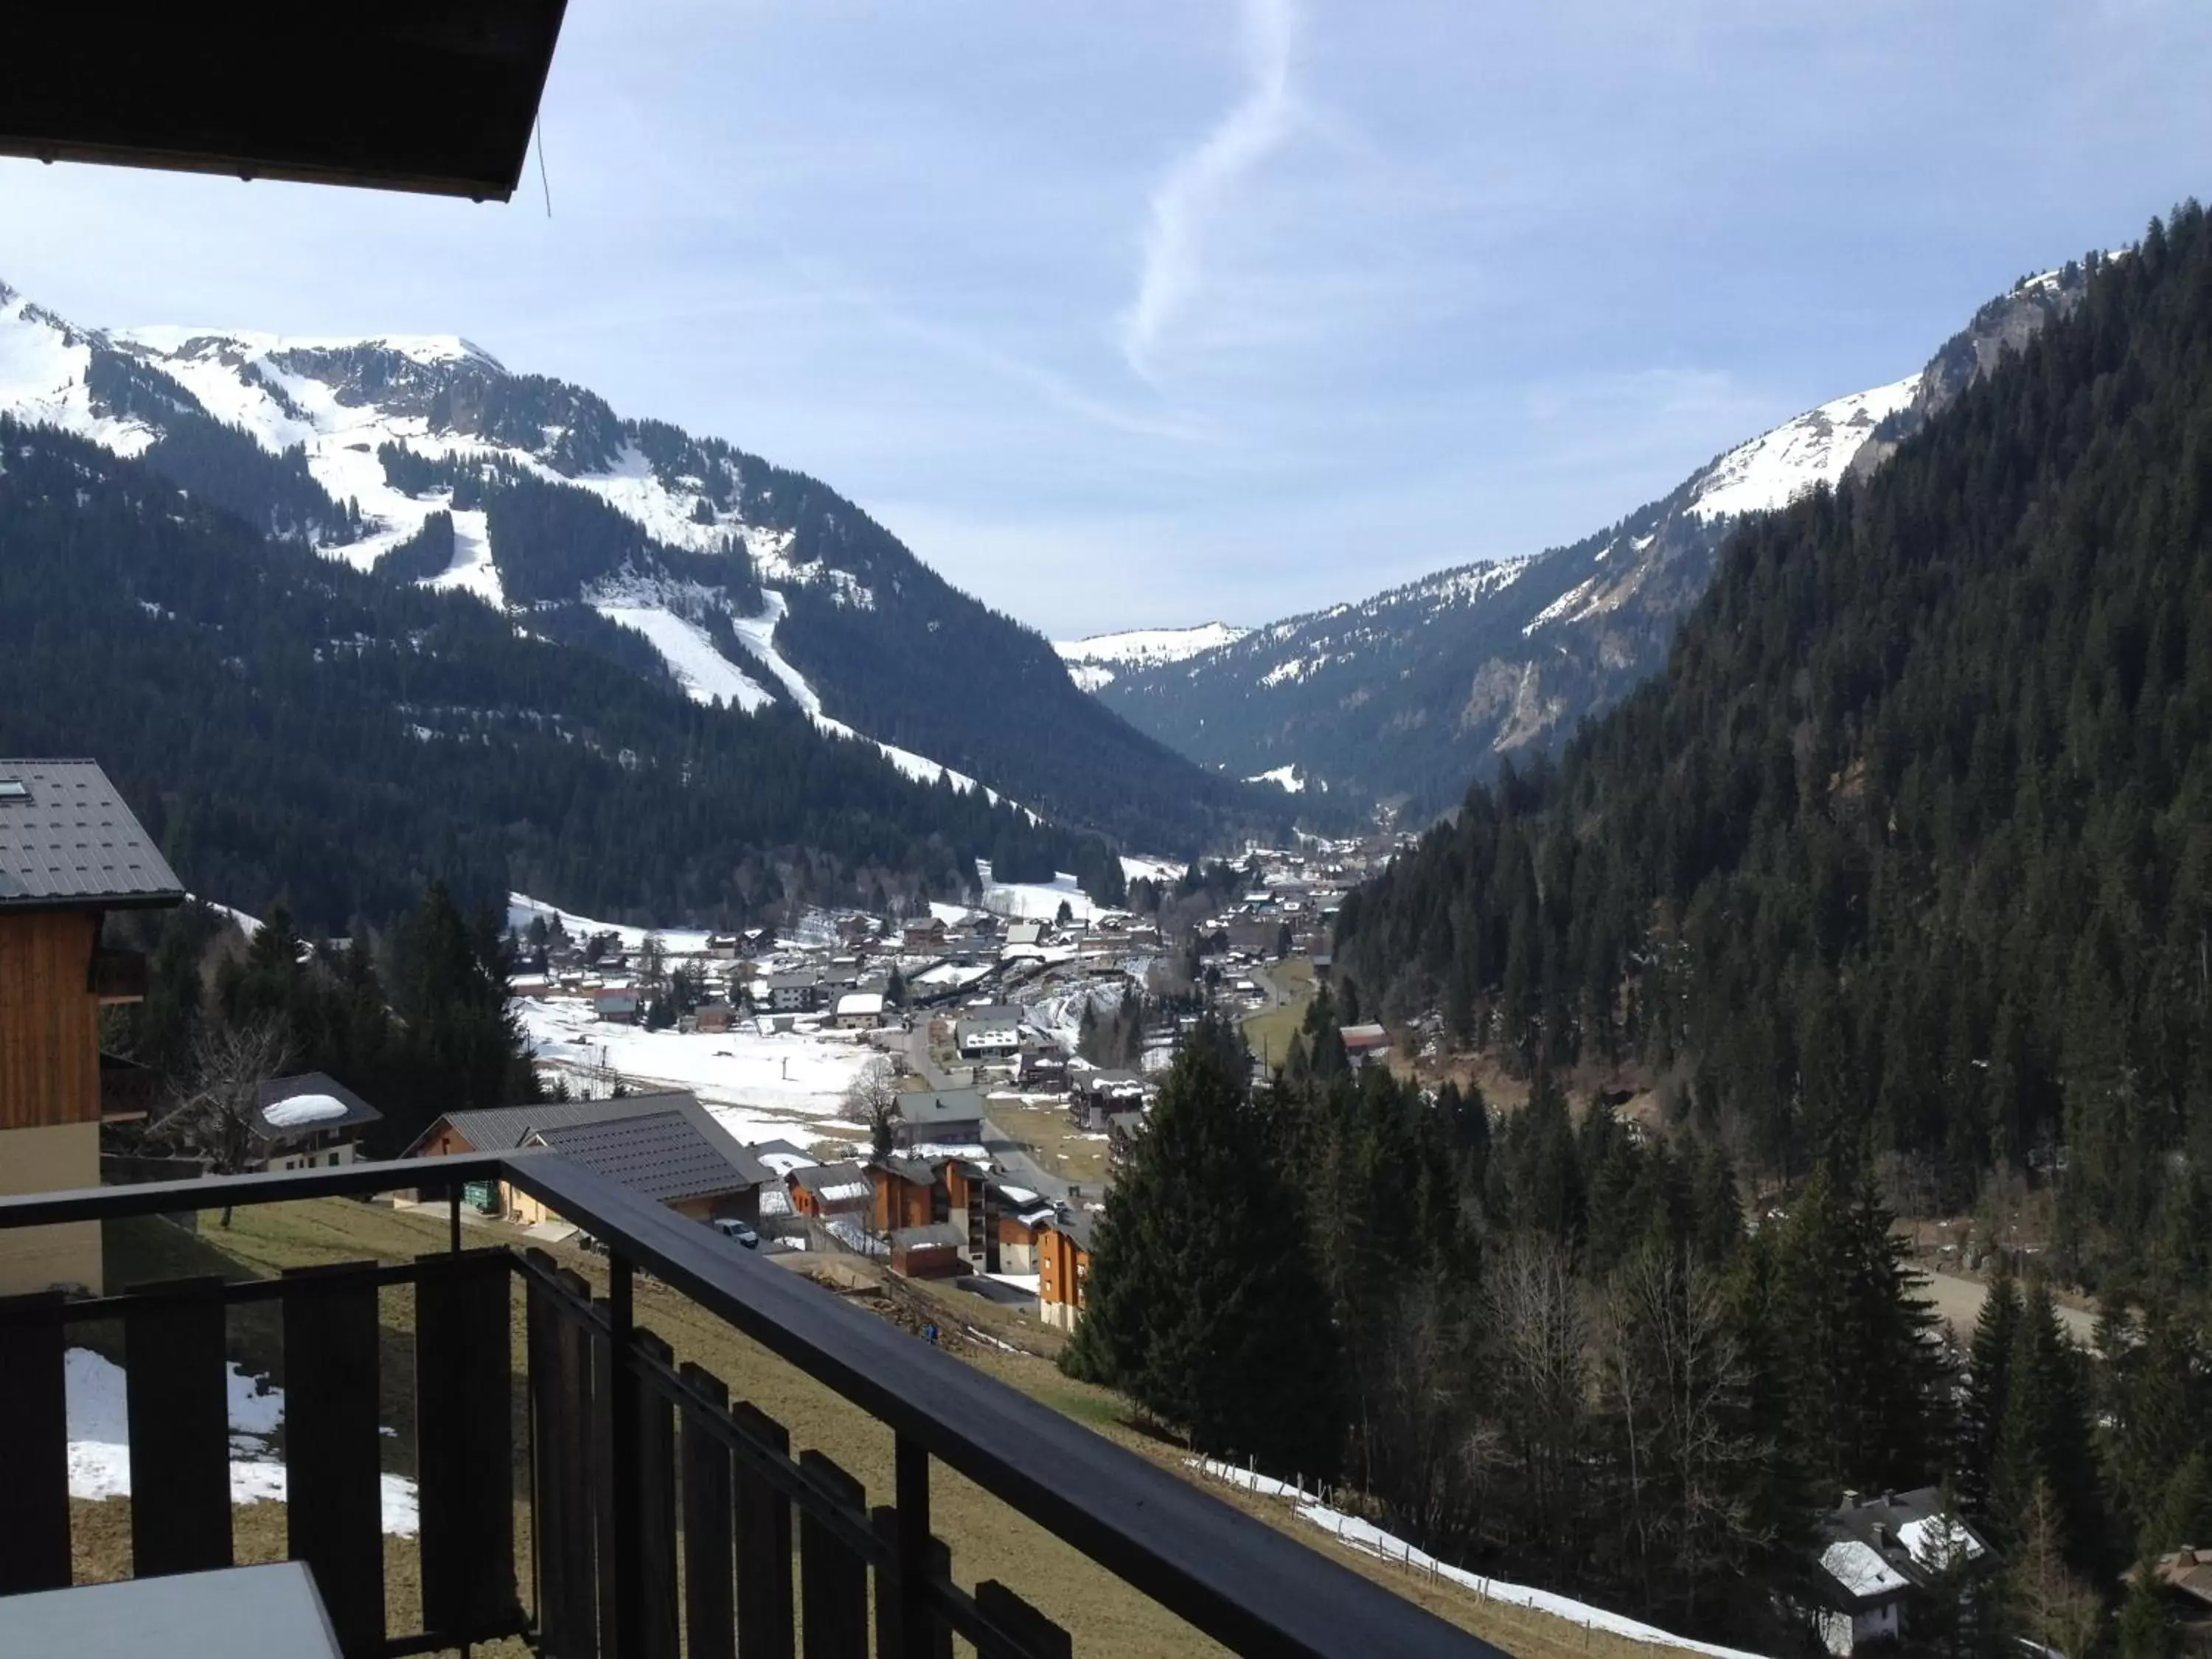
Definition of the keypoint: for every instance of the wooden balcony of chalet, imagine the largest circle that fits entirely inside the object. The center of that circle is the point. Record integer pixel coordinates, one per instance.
(581, 1491)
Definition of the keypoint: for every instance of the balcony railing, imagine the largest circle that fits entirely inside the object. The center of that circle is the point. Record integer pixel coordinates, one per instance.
(661, 1516)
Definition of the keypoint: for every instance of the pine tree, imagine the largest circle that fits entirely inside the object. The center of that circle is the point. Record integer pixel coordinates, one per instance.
(1867, 1405)
(1202, 1300)
(1989, 1383)
(2044, 1455)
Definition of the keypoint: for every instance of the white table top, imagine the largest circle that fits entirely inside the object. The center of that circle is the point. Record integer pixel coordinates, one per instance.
(267, 1613)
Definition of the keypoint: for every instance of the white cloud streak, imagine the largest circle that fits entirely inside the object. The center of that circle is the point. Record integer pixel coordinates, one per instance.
(1194, 189)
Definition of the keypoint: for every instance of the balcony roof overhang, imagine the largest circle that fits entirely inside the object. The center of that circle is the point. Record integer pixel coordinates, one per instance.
(430, 95)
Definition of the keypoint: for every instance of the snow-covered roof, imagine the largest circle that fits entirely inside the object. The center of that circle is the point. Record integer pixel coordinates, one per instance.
(1860, 1570)
(303, 1109)
(302, 1105)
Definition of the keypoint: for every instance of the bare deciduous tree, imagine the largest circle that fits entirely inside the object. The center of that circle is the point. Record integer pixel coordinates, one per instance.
(1538, 1331)
(2049, 1603)
(872, 1098)
(217, 1118)
(1673, 1381)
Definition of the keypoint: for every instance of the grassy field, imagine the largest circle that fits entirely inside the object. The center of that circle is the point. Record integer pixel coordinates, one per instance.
(988, 1540)
(1269, 1032)
(1058, 1145)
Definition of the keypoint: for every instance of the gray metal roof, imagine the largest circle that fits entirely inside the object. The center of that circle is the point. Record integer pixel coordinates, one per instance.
(923, 1107)
(914, 1170)
(503, 1128)
(357, 1110)
(67, 842)
(664, 1156)
(1077, 1224)
(820, 1178)
(938, 1234)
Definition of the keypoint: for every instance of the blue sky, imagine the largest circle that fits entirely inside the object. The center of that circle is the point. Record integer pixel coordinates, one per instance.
(1127, 313)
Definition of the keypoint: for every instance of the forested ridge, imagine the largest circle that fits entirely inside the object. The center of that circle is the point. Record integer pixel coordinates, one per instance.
(1908, 850)
(292, 729)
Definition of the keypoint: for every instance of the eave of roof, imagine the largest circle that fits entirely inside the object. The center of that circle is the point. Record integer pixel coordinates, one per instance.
(425, 95)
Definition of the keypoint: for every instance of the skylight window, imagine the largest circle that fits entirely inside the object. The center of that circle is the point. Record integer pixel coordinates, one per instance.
(13, 789)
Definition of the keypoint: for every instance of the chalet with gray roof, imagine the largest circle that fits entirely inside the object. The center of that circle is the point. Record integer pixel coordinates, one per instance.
(70, 852)
(939, 1117)
(646, 1158)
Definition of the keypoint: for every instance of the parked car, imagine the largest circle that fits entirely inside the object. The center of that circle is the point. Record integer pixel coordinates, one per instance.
(731, 1227)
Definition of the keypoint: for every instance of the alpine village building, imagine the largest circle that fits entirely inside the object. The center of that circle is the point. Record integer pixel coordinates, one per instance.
(70, 852)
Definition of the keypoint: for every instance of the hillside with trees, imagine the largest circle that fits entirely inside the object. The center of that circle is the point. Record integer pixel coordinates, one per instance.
(1910, 850)
(291, 729)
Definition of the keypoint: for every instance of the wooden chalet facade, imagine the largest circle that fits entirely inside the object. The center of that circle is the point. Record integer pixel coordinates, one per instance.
(70, 852)
(1063, 1267)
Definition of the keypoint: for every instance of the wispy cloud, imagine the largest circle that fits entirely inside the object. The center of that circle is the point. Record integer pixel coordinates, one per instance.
(1195, 185)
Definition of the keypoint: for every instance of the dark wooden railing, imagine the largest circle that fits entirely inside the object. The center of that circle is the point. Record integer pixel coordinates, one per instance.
(663, 1516)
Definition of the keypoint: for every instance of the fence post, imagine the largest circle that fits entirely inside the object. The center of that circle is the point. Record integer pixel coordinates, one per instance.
(621, 1427)
(915, 1550)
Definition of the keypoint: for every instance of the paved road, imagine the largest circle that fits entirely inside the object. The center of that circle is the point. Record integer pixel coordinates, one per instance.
(1277, 996)
(1959, 1301)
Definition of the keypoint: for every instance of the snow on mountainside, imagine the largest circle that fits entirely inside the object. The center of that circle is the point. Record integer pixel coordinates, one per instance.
(422, 458)
(1816, 448)
(1093, 660)
(1409, 694)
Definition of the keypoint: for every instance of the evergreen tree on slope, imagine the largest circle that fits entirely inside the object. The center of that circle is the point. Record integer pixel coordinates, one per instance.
(1203, 1305)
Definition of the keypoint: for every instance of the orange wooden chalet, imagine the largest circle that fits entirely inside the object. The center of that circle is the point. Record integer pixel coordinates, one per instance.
(1063, 1263)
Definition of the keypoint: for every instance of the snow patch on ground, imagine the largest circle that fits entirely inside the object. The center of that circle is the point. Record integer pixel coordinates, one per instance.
(1370, 1538)
(472, 570)
(522, 910)
(100, 1440)
(705, 673)
(1284, 777)
(757, 633)
(761, 1087)
(1038, 901)
(1148, 869)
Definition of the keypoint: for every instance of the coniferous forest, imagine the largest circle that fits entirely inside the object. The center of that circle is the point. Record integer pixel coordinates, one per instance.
(1909, 852)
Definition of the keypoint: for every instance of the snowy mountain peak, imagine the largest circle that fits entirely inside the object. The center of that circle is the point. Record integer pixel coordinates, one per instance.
(169, 340)
(1817, 448)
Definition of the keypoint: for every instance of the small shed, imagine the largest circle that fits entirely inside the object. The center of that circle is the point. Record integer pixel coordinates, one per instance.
(932, 1252)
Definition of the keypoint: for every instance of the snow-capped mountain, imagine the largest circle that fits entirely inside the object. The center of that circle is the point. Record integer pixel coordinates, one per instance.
(1410, 693)
(1092, 662)
(425, 460)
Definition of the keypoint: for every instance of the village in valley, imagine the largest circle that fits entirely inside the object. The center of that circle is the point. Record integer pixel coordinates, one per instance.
(943, 1095)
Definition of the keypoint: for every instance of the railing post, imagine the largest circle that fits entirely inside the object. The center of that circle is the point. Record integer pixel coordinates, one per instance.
(915, 1557)
(453, 1217)
(621, 1427)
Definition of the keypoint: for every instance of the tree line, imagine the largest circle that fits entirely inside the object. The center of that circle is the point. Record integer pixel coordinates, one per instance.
(1564, 1350)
